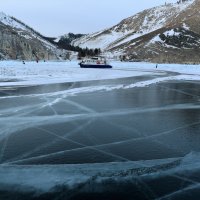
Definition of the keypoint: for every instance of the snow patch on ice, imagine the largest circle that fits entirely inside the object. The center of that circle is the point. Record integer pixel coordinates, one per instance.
(44, 178)
(13, 73)
(33, 73)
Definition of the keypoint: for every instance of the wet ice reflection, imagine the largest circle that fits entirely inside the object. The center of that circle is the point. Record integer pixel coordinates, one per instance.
(117, 125)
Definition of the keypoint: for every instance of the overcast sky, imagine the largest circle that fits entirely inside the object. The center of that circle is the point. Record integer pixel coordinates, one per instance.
(57, 17)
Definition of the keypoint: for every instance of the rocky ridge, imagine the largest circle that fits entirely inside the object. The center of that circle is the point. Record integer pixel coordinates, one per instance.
(167, 33)
(19, 41)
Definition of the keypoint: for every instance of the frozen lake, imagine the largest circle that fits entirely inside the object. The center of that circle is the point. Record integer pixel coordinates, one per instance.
(155, 122)
(140, 135)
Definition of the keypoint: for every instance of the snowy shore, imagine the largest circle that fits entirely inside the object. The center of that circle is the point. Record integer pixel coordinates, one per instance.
(13, 73)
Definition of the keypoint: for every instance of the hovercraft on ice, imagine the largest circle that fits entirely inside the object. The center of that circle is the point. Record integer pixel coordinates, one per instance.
(95, 62)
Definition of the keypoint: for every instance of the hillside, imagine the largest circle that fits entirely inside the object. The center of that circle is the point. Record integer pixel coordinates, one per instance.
(19, 41)
(167, 33)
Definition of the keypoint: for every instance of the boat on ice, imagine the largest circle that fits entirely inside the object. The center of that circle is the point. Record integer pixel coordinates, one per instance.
(95, 62)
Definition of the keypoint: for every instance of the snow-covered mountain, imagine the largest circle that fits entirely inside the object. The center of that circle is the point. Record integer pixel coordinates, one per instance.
(19, 41)
(167, 33)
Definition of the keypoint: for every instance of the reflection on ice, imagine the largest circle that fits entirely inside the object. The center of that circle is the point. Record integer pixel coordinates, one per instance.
(21, 121)
(80, 123)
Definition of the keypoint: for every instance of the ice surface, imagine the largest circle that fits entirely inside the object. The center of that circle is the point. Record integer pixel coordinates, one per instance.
(61, 115)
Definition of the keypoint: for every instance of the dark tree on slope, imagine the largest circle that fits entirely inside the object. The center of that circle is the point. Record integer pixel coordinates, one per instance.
(182, 1)
(181, 38)
(88, 52)
(65, 43)
(66, 40)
